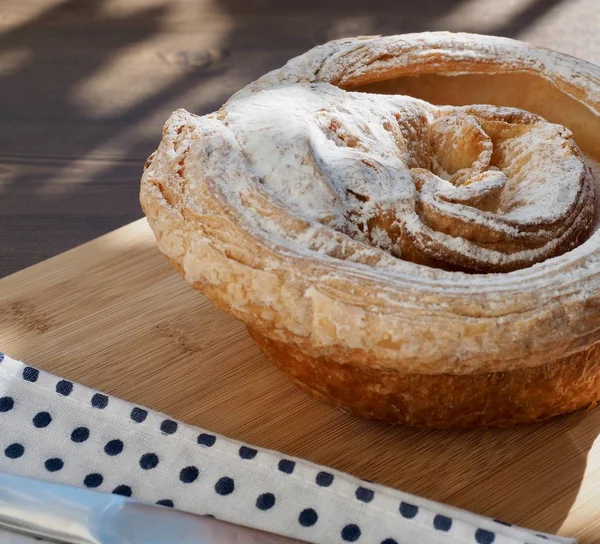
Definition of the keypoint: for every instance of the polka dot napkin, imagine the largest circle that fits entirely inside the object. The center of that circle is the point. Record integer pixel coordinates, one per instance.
(53, 429)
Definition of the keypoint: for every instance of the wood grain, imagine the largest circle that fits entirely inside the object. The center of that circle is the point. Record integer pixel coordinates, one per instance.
(113, 315)
(85, 86)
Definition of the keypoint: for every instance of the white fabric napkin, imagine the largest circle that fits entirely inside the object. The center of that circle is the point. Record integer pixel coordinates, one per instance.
(56, 430)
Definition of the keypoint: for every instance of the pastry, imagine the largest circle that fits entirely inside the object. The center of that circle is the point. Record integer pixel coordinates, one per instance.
(405, 224)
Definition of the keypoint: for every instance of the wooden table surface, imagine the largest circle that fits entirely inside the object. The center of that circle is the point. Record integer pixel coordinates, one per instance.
(115, 316)
(85, 86)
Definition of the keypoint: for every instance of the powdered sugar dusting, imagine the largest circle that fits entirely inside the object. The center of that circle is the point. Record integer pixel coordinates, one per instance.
(256, 245)
(594, 167)
(376, 168)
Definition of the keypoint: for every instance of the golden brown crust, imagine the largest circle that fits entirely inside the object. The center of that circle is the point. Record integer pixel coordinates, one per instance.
(354, 317)
(444, 400)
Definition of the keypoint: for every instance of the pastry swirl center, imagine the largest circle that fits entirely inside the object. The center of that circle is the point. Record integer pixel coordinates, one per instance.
(473, 188)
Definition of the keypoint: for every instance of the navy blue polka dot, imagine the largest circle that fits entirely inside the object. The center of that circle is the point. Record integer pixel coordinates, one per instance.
(408, 510)
(124, 490)
(442, 523)
(265, 501)
(287, 466)
(1, 356)
(503, 522)
(389, 541)
(30, 374)
(138, 415)
(364, 495)
(64, 387)
(166, 502)
(484, 537)
(99, 401)
(207, 440)
(168, 426)
(351, 533)
(324, 479)
(80, 434)
(308, 517)
(14, 451)
(93, 480)
(113, 447)
(42, 419)
(148, 461)
(6, 404)
(189, 474)
(224, 486)
(54, 464)
(247, 453)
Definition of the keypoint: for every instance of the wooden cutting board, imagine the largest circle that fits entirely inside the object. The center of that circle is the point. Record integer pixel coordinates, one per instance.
(113, 315)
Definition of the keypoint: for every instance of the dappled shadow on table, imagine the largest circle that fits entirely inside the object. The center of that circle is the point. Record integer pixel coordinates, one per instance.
(69, 171)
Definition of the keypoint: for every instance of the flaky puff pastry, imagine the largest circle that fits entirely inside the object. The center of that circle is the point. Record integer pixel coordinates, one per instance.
(421, 264)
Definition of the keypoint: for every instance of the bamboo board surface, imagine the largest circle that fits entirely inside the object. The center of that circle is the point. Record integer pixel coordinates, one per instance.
(113, 315)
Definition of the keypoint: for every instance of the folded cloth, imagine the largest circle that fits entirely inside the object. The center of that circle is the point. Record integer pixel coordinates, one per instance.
(56, 430)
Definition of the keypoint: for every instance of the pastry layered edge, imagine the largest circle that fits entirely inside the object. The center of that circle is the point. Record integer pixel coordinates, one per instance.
(516, 347)
(497, 399)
